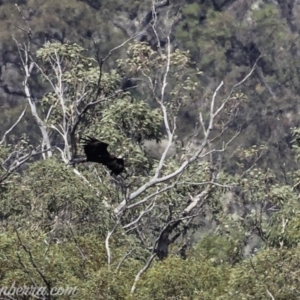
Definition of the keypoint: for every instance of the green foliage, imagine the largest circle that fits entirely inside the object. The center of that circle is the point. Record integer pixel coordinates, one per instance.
(79, 262)
(63, 215)
(283, 227)
(49, 192)
(217, 249)
(224, 43)
(213, 37)
(68, 71)
(195, 278)
(131, 118)
(271, 272)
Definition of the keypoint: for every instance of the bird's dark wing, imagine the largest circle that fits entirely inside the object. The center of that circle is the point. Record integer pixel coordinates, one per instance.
(94, 149)
(115, 165)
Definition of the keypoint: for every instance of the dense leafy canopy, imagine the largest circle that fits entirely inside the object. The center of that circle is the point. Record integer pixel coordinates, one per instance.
(77, 226)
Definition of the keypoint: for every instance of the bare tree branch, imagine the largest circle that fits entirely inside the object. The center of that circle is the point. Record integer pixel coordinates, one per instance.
(110, 233)
(123, 259)
(141, 272)
(18, 163)
(28, 66)
(207, 130)
(269, 293)
(13, 126)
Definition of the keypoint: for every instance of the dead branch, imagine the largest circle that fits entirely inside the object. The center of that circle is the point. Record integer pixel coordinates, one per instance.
(14, 125)
(123, 259)
(110, 233)
(141, 272)
(18, 163)
(213, 113)
(28, 65)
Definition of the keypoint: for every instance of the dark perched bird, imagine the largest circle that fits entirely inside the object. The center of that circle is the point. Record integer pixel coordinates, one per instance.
(162, 249)
(96, 151)
(163, 241)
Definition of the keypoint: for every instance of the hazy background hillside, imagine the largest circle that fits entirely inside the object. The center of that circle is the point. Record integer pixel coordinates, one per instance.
(223, 37)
